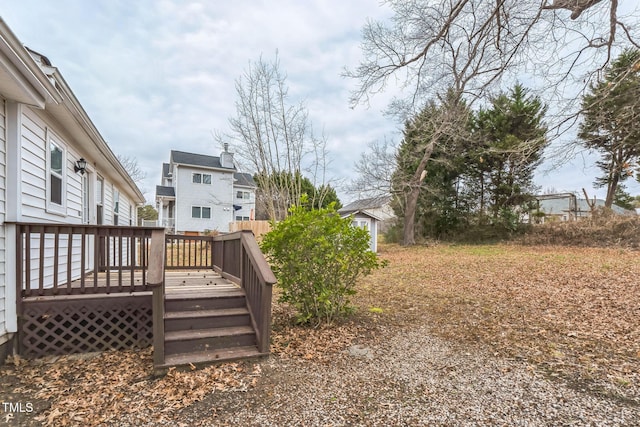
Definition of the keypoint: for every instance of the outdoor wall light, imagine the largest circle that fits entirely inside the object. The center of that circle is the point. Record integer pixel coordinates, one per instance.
(80, 166)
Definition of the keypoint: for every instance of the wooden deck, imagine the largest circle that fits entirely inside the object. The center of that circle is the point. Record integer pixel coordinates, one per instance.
(195, 299)
(177, 282)
(203, 283)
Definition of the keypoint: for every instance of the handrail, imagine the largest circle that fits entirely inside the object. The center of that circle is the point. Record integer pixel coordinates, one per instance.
(238, 258)
(263, 270)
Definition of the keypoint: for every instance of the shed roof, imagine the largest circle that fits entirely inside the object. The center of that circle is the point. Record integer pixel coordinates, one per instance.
(364, 204)
(361, 212)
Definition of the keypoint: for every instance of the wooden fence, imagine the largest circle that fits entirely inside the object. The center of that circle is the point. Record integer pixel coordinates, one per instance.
(258, 227)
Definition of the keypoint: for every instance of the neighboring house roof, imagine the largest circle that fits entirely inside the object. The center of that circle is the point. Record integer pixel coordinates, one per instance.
(244, 180)
(162, 191)
(193, 159)
(364, 204)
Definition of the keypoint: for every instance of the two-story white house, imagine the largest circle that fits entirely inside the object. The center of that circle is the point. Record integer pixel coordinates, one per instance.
(201, 193)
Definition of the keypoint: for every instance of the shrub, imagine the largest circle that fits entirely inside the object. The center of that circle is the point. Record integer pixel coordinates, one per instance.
(317, 257)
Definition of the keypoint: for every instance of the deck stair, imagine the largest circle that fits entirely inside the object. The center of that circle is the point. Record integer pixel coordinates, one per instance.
(208, 326)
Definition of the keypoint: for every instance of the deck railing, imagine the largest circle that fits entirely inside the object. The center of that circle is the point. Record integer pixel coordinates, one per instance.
(238, 258)
(188, 252)
(63, 259)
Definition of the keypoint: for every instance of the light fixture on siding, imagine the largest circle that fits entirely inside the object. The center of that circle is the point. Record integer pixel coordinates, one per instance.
(80, 166)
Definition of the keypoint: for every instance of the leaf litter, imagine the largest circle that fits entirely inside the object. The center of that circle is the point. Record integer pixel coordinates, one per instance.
(111, 387)
(569, 312)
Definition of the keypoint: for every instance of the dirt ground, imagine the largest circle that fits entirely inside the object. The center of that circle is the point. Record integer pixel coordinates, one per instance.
(562, 320)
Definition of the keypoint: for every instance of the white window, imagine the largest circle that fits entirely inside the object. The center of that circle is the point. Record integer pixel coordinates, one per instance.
(100, 200)
(201, 212)
(363, 223)
(201, 178)
(56, 176)
(242, 218)
(243, 195)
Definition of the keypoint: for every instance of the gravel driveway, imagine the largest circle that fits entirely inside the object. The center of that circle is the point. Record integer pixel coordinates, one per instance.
(410, 378)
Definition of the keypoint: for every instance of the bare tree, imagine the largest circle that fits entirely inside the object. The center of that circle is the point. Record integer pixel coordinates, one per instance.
(274, 136)
(130, 164)
(466, 47)
(375, 169)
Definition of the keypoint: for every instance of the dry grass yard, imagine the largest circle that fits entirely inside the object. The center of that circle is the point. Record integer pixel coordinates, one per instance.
(444, 335)
(572, 312)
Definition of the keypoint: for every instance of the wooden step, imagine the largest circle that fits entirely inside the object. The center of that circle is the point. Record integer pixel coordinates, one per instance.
(209, 340)
(205, 357)
(206, 319)
(231, 298)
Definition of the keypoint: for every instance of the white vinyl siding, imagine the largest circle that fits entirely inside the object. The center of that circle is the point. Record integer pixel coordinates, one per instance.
(218, 195)
(108, 203)
(50, 260)
(33, 171)
(245, 198)
(3, 210)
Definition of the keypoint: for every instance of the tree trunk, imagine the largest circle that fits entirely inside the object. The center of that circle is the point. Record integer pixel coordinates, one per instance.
(611, 190)
(411, 203)
(410, 217)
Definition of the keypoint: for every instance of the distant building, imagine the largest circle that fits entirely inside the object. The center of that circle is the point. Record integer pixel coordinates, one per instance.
(202, 193)
(567, 207)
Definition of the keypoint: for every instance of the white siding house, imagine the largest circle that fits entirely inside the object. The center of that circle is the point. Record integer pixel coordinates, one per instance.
(44, 133)
(201, 193)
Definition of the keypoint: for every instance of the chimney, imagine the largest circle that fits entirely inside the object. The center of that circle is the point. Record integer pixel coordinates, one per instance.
(226, 158)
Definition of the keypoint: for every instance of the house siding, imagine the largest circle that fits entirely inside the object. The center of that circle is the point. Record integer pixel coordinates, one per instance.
(217, 196)
(35, 130)
(3, 210)
(248, 205)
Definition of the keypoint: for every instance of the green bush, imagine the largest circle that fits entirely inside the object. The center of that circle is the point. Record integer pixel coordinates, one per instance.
(317, 257)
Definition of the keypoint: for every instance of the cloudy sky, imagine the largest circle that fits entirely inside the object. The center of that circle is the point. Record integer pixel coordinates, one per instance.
(157, 75)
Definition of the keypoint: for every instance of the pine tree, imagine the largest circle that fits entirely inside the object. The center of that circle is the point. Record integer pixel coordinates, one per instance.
(511, 138)
(610, 123)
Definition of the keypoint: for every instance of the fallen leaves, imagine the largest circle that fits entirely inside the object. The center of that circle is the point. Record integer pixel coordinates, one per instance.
(548, 305)
(571, 312)
(115, 386)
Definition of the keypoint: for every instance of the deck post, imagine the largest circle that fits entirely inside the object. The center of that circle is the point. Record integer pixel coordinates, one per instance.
(155, 279)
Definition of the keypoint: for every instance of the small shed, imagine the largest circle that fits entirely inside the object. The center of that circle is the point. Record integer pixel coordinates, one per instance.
(368, 221)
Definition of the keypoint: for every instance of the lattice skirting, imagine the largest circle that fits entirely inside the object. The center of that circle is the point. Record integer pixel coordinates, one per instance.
(64, 325)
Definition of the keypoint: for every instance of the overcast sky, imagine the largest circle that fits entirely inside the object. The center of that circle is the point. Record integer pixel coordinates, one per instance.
(157, 75)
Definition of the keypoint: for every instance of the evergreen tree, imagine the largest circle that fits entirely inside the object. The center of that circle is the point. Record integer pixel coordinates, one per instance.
(511, 137)
(439, 211)
(610, 125)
